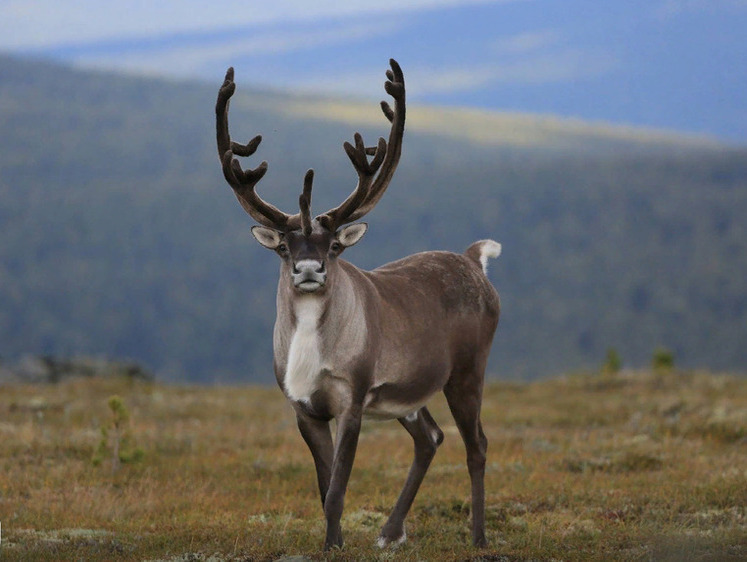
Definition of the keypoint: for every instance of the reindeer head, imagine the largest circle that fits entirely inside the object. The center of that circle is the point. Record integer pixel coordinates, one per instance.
(309, 258)
(309, 247)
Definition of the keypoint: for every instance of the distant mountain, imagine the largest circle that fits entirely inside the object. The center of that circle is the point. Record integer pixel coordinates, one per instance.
(121, 239)
(662, 63)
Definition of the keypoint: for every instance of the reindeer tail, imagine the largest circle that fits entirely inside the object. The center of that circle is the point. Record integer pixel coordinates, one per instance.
(481, 250)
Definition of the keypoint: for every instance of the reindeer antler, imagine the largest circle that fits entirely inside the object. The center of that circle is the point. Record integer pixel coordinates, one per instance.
(371, 186)
(243, 181)
(373, 176)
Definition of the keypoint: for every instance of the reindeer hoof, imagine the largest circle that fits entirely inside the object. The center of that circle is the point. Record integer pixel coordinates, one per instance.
(330, 545)
(333, 540)
(389, 542)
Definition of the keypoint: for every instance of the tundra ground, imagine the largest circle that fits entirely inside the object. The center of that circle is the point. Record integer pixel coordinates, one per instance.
(631, 466)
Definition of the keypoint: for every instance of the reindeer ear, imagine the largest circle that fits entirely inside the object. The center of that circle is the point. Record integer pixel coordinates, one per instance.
(351, 234)
(268, 237)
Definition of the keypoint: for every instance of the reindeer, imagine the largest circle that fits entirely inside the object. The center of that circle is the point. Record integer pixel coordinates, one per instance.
(350, 343)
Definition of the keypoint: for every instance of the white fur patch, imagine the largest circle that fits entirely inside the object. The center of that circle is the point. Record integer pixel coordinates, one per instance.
(304, 358)
(489, 249)
(435, 437)
(381, 542)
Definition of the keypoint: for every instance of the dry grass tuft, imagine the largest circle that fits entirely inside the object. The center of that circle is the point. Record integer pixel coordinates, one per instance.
(632, 466)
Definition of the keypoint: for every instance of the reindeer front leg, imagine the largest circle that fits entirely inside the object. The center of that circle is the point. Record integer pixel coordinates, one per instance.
(348, 430)
(318, 437)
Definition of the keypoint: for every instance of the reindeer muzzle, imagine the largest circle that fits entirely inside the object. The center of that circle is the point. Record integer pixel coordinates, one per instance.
(309, 275)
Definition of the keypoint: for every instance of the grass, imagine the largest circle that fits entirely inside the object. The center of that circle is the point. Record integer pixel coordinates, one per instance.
(633, 466)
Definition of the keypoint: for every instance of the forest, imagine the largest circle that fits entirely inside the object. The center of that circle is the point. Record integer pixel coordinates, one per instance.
(120, 239)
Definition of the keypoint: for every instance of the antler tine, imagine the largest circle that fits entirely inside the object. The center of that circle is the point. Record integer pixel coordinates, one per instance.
(243, 181)
(358, 155)
(374, 177)
(304, 202)
(395, 87)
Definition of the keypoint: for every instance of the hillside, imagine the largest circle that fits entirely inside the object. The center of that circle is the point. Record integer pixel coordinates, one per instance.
(504, 130)
(120, 237)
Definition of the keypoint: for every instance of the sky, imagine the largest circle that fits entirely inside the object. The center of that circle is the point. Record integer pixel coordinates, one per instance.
(670, 64)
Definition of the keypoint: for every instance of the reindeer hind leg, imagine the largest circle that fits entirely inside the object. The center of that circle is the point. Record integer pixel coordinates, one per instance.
(464, 396)
(427, 436)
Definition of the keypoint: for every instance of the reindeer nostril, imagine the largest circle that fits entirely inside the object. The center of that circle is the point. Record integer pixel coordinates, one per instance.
(321, 268)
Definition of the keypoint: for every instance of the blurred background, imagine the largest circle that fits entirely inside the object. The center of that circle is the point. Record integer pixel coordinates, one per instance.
(603, 144)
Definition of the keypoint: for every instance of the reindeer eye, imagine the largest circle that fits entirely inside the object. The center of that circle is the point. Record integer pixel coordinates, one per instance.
(282, 248)
(335, 246)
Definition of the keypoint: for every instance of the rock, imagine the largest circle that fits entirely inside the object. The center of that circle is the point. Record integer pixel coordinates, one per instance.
(48, 369)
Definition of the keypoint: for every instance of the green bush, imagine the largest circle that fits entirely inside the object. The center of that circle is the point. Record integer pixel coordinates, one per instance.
(116, 440)
(612, 362)
(662, 360)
